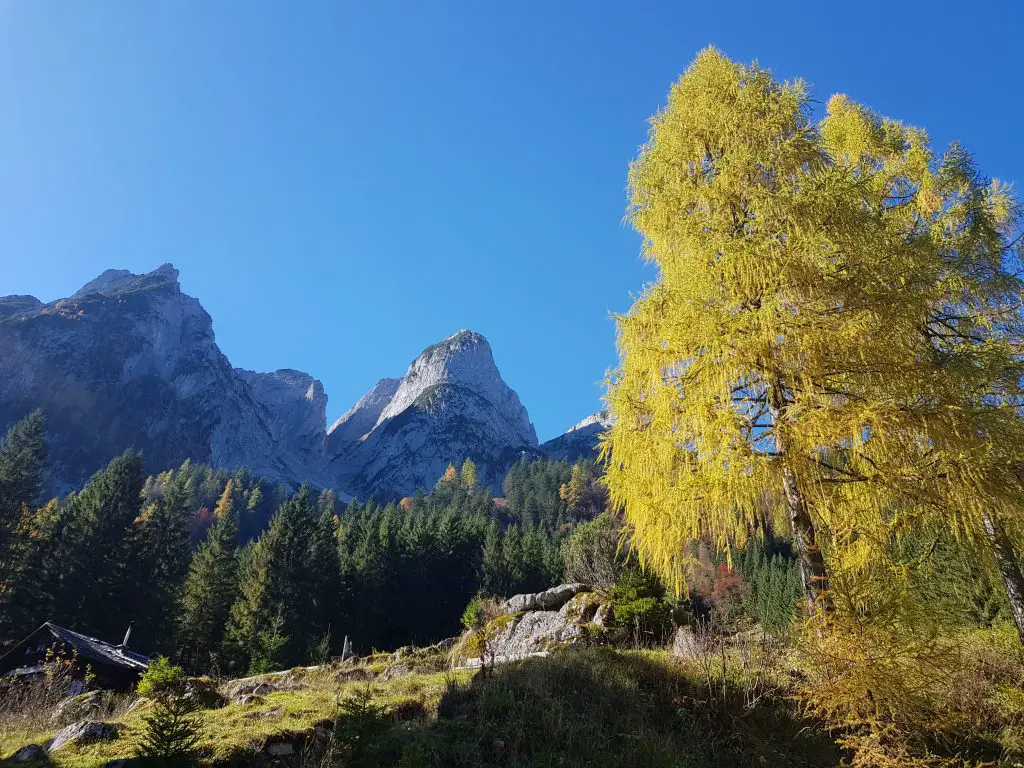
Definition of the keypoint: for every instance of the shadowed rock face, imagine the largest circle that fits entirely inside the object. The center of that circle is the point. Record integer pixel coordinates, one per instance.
(452, 404)
(131, 361)
(362, 417)
(580, 441)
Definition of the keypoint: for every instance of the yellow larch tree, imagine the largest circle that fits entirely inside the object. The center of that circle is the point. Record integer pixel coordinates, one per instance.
(833, 333)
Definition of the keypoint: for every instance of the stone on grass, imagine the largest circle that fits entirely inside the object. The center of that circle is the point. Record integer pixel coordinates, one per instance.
(280, 748)
(395, 671)
(80, 707)
(560, 617)
(85, 732)
(685, 644)
(27, 754)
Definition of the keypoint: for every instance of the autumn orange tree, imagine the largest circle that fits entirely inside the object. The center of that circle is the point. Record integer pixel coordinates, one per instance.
(835, 325)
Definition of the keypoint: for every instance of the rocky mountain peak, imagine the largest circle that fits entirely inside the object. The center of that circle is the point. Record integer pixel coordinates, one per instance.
(452, 404)
(581, 440)
(463, 359)
(131, 360)
(601, 420)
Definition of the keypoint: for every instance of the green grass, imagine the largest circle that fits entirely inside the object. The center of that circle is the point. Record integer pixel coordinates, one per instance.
(234, 730)
(595, 707)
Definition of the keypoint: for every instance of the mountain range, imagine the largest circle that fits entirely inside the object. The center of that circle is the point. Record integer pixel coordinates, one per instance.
(131, 361)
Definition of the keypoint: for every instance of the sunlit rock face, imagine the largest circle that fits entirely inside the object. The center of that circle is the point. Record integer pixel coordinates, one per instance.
(131, 361)
(452, 404)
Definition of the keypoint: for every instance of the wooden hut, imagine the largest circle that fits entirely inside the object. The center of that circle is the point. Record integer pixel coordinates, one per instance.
(110, 666)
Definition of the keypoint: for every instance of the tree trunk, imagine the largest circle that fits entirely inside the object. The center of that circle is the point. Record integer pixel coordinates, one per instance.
(813, 573)
(1013, 580)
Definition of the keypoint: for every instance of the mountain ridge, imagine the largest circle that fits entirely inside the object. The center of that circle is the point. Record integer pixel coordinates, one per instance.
(132, 360)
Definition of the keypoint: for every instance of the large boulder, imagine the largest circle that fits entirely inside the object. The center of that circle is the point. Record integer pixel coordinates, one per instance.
(84, 706)
(548, 600)
(85, 732)
(533, 625)
(31, 753)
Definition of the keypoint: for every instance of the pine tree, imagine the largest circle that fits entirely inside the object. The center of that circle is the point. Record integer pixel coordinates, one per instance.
(172, 727)
(210, 590)
(327, 502)
(493, 579)
(255, 499)
(832, 326)
(22, 464)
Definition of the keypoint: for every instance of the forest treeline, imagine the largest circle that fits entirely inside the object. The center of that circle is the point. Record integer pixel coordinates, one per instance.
(227, 573)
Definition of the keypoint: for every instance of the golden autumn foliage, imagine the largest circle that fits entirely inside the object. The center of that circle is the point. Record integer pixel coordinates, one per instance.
(833, 344)
(226, 502)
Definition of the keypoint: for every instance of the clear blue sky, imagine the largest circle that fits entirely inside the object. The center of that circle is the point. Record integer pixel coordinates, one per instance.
(342, 184)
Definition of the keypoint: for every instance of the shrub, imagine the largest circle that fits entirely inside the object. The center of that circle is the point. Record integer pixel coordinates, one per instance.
(162, 680)
(649, 618)
(591, 553)
(639, 606)
(478, 619)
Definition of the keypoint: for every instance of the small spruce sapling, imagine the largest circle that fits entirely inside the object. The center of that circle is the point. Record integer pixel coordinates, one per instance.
(173, 728)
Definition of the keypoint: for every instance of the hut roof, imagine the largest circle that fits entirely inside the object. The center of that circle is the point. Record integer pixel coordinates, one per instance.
(89, 649)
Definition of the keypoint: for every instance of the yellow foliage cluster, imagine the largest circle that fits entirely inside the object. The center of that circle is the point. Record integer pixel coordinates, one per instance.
(833, 342)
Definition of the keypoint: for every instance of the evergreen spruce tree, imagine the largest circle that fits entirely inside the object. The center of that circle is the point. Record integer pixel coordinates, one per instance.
(493, 580)
(276, 590)
(325, 579)
(210, 590)
(159, 558)
(88, 567)
(327, 502)
(22, 464)
(255, 499)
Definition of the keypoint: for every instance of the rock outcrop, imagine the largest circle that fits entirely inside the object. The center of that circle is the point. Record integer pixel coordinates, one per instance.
(84, 732)
(534, 624)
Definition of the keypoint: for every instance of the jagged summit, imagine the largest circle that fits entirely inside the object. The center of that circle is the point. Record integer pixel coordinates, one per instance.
(580, 440)
(114, 281)
(363, 416)
(130, 360)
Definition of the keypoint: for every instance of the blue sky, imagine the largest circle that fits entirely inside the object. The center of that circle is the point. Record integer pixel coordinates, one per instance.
(343, 184)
